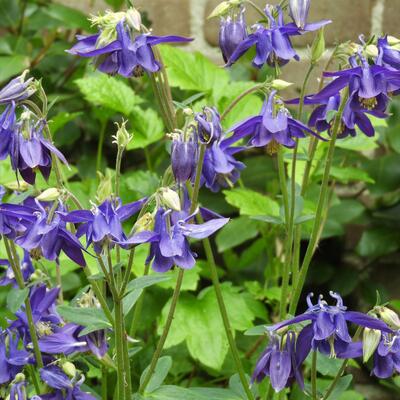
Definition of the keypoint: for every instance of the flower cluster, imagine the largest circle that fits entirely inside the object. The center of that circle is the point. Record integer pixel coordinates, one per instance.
(327, 333)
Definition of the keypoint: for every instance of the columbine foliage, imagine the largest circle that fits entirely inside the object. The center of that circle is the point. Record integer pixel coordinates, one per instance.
(96, 249)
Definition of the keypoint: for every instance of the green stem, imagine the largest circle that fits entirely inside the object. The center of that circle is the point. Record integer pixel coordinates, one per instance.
(34, 378)
(13, 258)
(224, 316)
(103, 125)
(314, 375)
(59, 282)
(240, 97)
(118, 315)
(118, 171)
(258, 9)
(165, 332)
(104, 374)
(320, 208)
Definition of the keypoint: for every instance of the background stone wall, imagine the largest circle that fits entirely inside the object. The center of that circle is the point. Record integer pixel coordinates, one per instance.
(189, 18)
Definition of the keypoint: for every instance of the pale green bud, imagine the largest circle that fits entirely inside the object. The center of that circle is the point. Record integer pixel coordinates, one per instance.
(393, 41)
(134, 19)
(371, 339)
(105, 187)
(69, 369)
(280, 84)
(50, 194)
(20, 377)
(170, 199)
(188, 111)
(318, 46)
(220, 10)
(389, 317)
(372, 51)
(19, 186)
(122, 137)
(144, 223)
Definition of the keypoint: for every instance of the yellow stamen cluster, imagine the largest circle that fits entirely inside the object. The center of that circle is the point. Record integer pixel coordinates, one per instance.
(272, 147)
(369, 104)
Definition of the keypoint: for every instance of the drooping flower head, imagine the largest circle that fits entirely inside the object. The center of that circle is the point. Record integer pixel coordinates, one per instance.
(119, 47)
(233, 30)
(273, 127)
(103, 224)
(273, 45)
(388, 55)
(281, 362)
(220, 168)
(29, 150)
(387, 356)
(184, 155)
(7, 129)
(17, 89)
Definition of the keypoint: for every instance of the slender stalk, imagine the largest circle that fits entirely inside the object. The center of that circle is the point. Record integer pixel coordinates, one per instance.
(34, 378)
(165, 332)
(118, 314)
(103, 125)
(255, 6)
(320, 208)
(104, 373)
(118, 170)
(270, 392)
(314, 375)
(224, 316)
(13, 258)
(235, 102)
(138, 308)
(59, 283)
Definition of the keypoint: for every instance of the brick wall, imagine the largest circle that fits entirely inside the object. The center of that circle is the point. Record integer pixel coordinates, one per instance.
(188, 18)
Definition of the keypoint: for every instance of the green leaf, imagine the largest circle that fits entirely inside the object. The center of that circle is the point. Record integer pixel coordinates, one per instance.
(190, 279)
(256, 331)
(15, 298)
(377, 242)
(109, 92)
(351, 395)
(228, 237)
(163, 366)
(130, 300)
(251, 202)
(94, 327)
(350, 174)
(70, 17)
(146, 281)
(12, 65)
(145, 183)
(60, 120)
(83, 316)
(192, 71)
(198, 322)
(146, 126)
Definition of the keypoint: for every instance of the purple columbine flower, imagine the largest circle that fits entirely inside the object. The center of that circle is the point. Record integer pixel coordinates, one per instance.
(18, 391)
(45, 316)
(328, 331)
(184, 155)
(67, 340)
(369, 85)
(281, 362)
(17, 89)
(7, 128)
(273, 45)
(322, 117)
(220, 168)
(274, 126)
(103, 224)
(388, 56)
(128, 55)
(387, 355)
(30, 150)
(54, 377)
(171, 246)
(232, 32)
(48, 238)
(26, 267)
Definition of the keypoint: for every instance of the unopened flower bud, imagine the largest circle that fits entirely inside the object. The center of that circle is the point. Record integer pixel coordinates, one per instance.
(393, 41)
(144, 223)
(105, 187)
(69, 369)
(18, 186)
(50, 194)
(233, 31)
(122, 137)
(17, 89)
(20, 377)
(134, 19)
(372, 51)
(170, 199)
(298, 10)
(220, 10)
(183, 158)
(318, 46)
(279, 84)
(188, 111)
(389, 317)
(371, 339)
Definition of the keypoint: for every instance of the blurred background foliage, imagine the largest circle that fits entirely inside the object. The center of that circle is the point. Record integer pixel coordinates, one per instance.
(359, 253)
